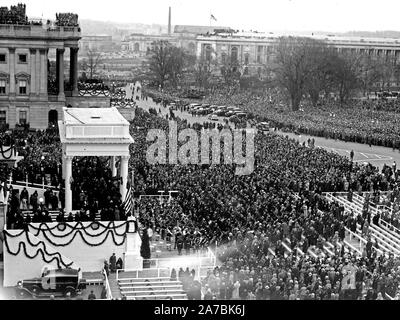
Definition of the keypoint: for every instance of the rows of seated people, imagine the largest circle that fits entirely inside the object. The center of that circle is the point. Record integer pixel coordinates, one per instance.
(280, 199)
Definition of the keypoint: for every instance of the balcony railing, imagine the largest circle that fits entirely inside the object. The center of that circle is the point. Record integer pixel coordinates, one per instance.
(34, 30)
(99, 131)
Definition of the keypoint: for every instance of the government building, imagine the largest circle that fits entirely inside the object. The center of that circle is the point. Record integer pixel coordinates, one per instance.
(252, 51)
(28, 95)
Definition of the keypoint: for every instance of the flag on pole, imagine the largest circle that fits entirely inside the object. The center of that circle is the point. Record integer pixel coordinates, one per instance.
(128, 202)
(213, 18)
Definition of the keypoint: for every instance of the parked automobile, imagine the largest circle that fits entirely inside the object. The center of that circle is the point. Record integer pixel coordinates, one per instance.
(213, 117)
(220, 113)
(241, 115)
(263, 126)
(56, 282)
(193, 105)
(213, 107)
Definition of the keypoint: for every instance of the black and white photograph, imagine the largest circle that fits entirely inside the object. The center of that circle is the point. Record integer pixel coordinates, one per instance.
(200, 154)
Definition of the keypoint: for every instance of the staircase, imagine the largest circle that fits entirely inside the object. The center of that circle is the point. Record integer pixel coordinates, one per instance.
(388, 239)
(148, 284)
(152, 289)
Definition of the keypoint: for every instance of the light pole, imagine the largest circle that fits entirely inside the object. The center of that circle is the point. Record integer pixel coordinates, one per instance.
(161, 194)
(170, 194)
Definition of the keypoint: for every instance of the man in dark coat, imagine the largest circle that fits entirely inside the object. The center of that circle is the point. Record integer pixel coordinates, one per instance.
(113, 263)
(24, 195)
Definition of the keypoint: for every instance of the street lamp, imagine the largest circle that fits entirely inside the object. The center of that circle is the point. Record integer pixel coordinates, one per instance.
(170, 194)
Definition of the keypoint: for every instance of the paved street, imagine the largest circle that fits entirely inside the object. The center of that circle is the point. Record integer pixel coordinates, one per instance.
(377, 156)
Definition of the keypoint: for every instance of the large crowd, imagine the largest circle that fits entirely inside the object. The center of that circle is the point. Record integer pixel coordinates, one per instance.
(370, 121)
(253, 213)
(250, 219)
(95, 192)
(41, 156)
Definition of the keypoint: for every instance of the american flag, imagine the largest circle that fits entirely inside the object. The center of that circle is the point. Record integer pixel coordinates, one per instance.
(128, 202)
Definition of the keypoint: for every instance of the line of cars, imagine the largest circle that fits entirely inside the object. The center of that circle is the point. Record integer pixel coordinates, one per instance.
(215, 111)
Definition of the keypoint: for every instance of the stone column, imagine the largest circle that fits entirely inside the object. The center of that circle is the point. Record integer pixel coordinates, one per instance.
(43, 72)
(73, 71)
(113, 167)
(37, 71)
(12, 71)
(68, 180)
(124, 176)
(33, 71)
(60, 68)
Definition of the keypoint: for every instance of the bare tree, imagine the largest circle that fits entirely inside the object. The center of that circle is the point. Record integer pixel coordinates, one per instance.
(371, 73)
(202, 70)
(178, 64)
(166, 63)
(388, 69)
(321, 75)
(230, 69)
(91, 62)
(348, 68)
(295, 63)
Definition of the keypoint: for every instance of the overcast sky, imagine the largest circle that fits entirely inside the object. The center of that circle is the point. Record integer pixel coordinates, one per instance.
(262, 15)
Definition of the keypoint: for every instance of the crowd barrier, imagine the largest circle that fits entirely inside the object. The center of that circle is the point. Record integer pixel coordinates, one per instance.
(107, 285)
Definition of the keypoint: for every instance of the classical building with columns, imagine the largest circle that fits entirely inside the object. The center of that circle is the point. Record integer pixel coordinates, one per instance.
(252, 51)
(27, 97)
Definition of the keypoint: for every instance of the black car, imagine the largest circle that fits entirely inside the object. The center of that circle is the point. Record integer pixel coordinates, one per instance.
(57, 282)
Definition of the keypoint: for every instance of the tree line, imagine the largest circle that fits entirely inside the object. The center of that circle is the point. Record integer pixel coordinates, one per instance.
(301, 66)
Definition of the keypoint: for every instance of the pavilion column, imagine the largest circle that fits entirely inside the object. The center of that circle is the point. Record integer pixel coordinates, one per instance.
(73, 71)
(124, 176)
(63, 163)
(60, 69)
(68, 180)
(113, 167)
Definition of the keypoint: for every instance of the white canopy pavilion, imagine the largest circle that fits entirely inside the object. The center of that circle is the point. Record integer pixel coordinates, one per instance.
(96, 132)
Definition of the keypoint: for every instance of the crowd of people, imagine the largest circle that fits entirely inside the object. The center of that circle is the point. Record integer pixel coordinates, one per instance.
(95, 191)
(369, 121)
(366, 121)
(281, 198)
(41, 156)
(251, 219)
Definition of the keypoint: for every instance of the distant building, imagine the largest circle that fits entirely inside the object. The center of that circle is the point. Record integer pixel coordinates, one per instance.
(98, 43)
(195, 30)
(141, 43)
(252, 51)
(184, 36)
